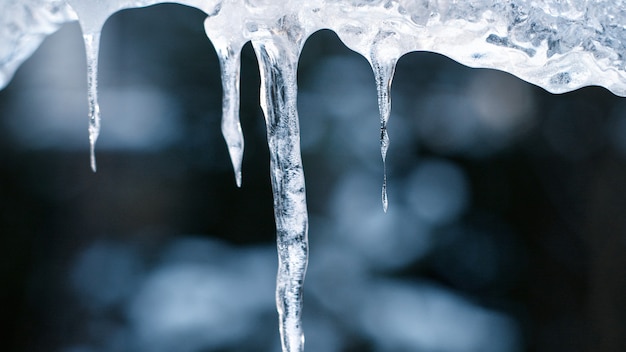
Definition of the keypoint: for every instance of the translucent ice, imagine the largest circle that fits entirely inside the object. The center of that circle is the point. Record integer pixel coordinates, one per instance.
(231, 127)
(278, 62)
(23, 26)
(92, 44)
(558, 45)
(383, 73)
(225, 34)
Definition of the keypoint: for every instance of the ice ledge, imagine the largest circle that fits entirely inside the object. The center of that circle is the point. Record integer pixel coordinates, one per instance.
(558, 45)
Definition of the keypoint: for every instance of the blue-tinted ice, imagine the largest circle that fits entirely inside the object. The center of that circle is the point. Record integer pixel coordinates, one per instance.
(558, 45)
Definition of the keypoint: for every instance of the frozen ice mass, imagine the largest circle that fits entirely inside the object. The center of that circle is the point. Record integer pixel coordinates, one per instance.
(558, 45)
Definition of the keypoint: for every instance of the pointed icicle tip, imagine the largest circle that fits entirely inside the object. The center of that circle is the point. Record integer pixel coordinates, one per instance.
(94, 168)
(238, 179)
(230, 63)
(94, 130)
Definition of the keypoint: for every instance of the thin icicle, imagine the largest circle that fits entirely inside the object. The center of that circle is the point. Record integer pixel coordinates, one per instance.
(229, 58)
(92, 44)
(278, 60)
(383, 73)
(92, 15)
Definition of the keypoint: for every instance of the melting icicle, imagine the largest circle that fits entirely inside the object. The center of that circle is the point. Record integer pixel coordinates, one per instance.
(278, 61)
(381, 50)
(92, 42)
(383, 72)
(231, 127)
(91, 16)
(229, 56)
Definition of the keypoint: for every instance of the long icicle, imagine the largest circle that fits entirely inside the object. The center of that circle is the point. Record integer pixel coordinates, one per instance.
(383, 73)
(278, 60)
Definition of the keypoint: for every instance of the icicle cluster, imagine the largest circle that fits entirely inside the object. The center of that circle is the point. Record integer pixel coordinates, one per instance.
(558, 45)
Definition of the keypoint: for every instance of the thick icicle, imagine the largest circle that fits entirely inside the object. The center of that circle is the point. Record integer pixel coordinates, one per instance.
(383, 73)
(92, 44)
(278, 60)
(229, 57)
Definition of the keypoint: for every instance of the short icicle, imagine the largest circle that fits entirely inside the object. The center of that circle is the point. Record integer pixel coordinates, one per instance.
(92, 44)
(383, 73)
(229, 58)
(278, 60)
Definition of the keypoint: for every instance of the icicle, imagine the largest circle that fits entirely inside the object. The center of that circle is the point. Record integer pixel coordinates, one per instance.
(278, 60)
(229, 57)
(91, 16)
(231, 127)
(92, 44)
(383, 73)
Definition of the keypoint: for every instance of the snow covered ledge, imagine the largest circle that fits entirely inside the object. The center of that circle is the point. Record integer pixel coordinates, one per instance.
(558, 45)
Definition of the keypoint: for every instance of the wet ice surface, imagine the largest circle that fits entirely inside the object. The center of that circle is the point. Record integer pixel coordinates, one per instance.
(278, 62)
(559, 46)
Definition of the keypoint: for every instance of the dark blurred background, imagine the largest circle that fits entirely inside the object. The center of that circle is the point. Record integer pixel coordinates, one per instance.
(506, 229)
